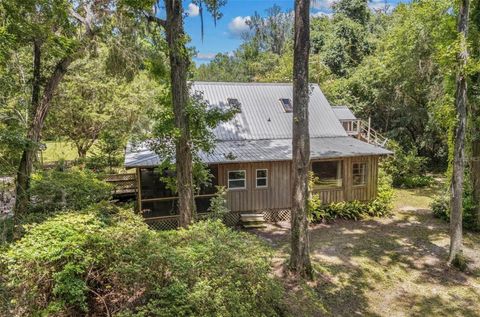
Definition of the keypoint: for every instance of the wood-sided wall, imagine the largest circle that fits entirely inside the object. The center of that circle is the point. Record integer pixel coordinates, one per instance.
(278, 193)
(275, 196)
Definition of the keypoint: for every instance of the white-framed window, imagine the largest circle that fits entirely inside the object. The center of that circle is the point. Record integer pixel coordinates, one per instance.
(328, 174)
(359, 173)
(237, 179)
(261, 180)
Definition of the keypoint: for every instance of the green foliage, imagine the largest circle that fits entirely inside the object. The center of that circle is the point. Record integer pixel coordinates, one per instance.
(406, 168)
(405, 85)
(441, 208)
(218, 204)
(355, 210)
(92, 104)
(105, 259)
(203, 118)
(72, 189)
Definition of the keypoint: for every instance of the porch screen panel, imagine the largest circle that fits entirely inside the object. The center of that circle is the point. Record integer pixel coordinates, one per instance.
(327, 174)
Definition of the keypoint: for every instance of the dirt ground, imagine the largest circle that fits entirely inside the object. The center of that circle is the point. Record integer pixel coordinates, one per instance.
(391, 266)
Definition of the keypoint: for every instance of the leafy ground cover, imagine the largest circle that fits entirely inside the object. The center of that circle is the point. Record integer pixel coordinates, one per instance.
(392, 266)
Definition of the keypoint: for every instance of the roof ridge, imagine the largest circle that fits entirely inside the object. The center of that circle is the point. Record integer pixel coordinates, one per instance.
(232, 83)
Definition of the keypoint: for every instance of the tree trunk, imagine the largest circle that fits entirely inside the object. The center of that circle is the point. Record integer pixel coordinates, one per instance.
(179, 63)
(459, 147)
(26, 162)
(82, 152)
(300, 256)
(40, 111)
(475, 166)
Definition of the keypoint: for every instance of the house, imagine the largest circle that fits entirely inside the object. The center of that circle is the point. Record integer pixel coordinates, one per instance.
(253, 154)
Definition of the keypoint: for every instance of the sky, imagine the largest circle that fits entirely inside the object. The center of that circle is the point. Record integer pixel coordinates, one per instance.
(226, 36)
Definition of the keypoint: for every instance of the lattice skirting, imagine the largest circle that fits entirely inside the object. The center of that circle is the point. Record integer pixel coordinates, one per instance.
(276, 215)
(230, 219)
(163, 223)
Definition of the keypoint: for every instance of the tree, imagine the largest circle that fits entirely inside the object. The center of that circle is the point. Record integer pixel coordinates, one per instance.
(272, 32)
(300, 244)
(64, 29)
(91, 101)
(459, 147)
(475, 114)
(405, 85)
(179, 60)
(356, 10)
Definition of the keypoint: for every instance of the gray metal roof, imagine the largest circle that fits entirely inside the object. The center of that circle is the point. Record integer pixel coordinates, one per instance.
(263, 150)
(262, 115)
(343, 113)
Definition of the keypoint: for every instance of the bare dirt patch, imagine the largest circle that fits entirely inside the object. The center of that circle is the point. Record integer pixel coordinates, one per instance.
(383, 266)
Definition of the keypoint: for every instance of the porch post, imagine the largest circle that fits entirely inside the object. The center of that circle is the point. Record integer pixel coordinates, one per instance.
(139, 189)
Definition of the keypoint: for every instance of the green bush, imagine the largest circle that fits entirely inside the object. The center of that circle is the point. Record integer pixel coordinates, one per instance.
(106, 260)
(381, 206)
(406, 168)
(441, 208)
(71, 189)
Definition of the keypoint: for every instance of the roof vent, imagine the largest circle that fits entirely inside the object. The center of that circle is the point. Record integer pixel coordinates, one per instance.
(287, 104)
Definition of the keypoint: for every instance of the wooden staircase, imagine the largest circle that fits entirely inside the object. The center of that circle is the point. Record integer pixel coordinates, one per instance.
(252, 221)
(365, 133)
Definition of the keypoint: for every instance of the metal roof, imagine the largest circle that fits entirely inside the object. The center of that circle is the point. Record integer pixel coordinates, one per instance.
(262, 115)
(263, 150)
(343, 113)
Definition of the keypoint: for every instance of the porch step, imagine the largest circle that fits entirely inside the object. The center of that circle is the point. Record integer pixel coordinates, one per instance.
(250, 221)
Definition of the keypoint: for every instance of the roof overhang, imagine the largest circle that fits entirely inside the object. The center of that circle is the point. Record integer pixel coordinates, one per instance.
(226, 152)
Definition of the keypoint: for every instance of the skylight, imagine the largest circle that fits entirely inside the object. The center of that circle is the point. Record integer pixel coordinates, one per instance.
(287, 104)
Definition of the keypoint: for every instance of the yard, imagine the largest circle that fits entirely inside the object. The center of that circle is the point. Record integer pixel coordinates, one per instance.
(385, 266)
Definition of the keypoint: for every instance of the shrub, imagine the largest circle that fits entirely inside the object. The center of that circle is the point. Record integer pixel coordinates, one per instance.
(105, 260)
(441, 208)
(380, 206)
(218, 204)
(72, 189)
(406, 168)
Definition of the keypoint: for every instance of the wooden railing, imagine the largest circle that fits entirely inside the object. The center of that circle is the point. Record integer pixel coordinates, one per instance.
(363, 130)
(123, 184)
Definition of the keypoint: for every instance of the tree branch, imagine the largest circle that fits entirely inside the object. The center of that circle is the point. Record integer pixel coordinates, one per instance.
(151, 18)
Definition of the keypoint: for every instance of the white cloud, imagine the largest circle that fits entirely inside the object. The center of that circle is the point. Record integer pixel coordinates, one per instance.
(381, 5)
(323, 4)
(206, 56)
(193, 10)
(320, 14)
(238, 26)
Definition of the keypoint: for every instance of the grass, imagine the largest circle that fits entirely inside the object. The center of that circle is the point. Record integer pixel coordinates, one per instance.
(384, 266)
(59, 150)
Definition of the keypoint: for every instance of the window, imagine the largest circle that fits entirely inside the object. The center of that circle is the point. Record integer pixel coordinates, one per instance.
(327, 174)
(237, 179)
(287, 104)
(262, 178)
(359, 174)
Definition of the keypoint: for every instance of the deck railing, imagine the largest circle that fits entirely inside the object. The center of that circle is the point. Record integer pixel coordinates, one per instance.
(123, 184)
(363, 130)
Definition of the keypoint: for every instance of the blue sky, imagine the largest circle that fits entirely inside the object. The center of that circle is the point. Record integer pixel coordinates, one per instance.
(226, 36)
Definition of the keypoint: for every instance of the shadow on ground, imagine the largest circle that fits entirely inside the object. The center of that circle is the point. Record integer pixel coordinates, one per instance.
(387, 267)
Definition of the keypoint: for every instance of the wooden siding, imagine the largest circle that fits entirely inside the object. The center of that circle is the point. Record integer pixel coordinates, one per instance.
(278, 193)
(275, 196)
